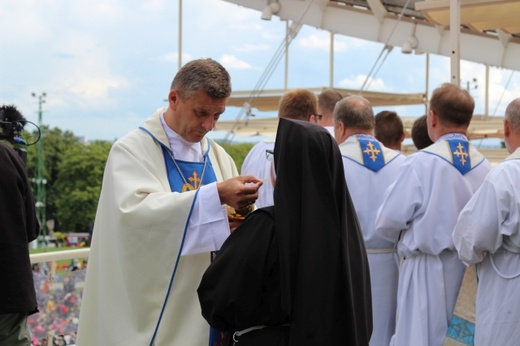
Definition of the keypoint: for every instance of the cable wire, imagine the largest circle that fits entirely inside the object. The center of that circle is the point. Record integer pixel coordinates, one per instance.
(268, 72)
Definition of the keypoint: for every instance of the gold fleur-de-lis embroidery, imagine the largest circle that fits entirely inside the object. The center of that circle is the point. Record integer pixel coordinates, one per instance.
(461, 154)
(372, 151)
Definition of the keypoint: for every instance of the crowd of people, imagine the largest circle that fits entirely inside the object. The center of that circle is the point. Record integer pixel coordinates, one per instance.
(59, 302)
(350, 241)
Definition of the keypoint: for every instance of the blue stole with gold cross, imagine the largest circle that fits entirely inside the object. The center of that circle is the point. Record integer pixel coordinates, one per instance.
(191, 171)
(455, 149)
(189, 179)
(372, 154)
(185, 176)
(367, 151)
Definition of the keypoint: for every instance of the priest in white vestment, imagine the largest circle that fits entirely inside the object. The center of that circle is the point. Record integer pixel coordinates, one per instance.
(488, 234)
(161, 212)
(258, 163)
(297, 104)
(370, 168)
(420, 210)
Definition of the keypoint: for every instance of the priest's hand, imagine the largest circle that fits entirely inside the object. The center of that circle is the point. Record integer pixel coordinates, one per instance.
(239, 192)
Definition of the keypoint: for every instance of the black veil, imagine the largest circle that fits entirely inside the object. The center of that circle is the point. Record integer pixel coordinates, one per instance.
(325, 281)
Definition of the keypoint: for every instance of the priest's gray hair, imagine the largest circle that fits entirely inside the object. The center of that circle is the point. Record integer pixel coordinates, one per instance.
(355, 112)
(513, 115)
(202, 74)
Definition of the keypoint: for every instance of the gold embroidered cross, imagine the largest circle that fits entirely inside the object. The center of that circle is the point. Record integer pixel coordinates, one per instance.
(194, 179)
(373, 152)
(461, 154)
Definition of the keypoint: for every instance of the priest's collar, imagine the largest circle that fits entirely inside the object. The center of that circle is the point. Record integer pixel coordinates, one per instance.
(449, 136)
(357, 136)
(182, 149)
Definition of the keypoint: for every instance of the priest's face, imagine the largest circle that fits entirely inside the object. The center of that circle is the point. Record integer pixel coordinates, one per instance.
(193, 117)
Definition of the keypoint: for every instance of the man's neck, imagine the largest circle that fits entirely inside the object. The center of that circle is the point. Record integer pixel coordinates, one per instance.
(359, 132)
(351, 132)
(445, 131)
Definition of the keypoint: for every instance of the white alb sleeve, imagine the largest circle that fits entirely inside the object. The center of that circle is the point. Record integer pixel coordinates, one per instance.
(208, 226)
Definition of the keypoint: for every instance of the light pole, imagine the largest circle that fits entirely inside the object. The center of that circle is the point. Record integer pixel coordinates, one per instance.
(40, 180)
(471, 85)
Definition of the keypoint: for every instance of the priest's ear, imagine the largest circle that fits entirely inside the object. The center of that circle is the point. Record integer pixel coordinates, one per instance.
(173, 98)
(339, 131)
(507, 128)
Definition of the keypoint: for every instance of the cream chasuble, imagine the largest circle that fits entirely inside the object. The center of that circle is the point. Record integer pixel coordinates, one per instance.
(138, 232)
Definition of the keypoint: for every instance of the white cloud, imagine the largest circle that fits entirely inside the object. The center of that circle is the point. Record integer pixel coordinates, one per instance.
(353, 43)
(105, 62)
(152, 5)
(356, 82)
(504, 85)
(321, 41)
(501, 83)
(232, 62)
(248, 47)
(173, 57)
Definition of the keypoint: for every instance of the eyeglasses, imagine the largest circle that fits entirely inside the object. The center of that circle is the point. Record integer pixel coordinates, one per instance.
(269, 155)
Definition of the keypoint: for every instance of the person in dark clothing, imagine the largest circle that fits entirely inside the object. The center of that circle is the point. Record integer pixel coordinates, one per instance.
(295, 273)
(18, 227)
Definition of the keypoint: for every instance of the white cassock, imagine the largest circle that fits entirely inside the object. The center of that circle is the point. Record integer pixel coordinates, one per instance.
(420, 211)
(488, 235)
(258, 164)
(367, 182)
(136, 246)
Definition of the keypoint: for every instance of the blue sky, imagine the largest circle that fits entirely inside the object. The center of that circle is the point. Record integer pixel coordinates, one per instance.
(106, 65)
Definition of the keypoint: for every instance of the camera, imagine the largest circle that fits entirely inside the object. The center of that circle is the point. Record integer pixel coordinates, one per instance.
(12, 123)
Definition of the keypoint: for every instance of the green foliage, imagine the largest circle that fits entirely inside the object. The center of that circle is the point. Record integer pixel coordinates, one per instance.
(55, 143)
(78, 166)
(74, 172)
(238, 152)
(79, 182)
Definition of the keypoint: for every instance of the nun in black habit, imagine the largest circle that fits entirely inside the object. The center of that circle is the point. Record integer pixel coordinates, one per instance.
(295, 273)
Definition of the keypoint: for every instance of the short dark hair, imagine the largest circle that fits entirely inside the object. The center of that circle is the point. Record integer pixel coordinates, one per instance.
(420, 136)
(202, 74)
(452, 104)
(389, 128)
(298, 104)
(327, 99)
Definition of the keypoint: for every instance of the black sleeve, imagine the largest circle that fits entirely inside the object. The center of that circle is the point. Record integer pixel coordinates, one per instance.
(231, 289)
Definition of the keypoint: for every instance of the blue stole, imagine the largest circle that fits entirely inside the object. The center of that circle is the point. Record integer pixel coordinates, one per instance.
(192, 171)
(455, 149)
(372, 153)
(460, 154)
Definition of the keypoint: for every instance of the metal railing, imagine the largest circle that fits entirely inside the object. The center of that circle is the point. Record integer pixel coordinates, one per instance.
(55, 256)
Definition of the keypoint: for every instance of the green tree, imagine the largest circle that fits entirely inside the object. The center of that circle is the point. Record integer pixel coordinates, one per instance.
(74, 173)
(80, 174)
(55, 143)
(238, 152)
